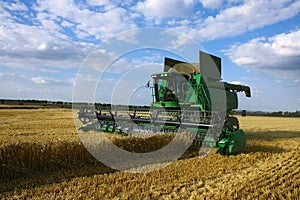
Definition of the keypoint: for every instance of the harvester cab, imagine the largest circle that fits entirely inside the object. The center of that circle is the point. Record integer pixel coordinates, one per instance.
(186, 97)
(174, 90)
(190, 84)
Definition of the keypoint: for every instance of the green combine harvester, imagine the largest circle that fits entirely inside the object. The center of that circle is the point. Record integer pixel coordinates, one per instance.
(186, 97)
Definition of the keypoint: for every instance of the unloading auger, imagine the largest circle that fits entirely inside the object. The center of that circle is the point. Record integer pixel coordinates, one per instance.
(186, 97)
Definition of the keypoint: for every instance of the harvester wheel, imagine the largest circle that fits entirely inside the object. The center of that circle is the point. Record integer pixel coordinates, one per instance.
(236, 143)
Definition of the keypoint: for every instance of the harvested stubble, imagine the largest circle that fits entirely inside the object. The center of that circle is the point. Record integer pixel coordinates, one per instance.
(38, 141)
(26, 158)
(254, 176)
(45, 140)
(269, 168)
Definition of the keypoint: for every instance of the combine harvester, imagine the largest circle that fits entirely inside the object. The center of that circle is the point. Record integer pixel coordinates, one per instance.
(186, 97)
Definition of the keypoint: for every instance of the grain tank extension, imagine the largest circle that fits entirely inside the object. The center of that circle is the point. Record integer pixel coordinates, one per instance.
(186, 97)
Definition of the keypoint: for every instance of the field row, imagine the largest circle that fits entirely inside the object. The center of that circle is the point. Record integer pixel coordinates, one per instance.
(267, 175)
(42, 157)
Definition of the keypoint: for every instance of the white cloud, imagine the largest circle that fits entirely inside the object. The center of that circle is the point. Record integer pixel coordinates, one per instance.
(18, 6)
(236, 82)
(31, 47)
(278, 55)
(88, 23)
(53, 17)
(240, 18)
(98, 2)
(67, 24)
(45, 42)
(42, 46)
(50, 81)
(180, 41)
(162, 9)
(99, 60)
(57, 8)
(40, 80)
(56, 35)
(212, 4)
(286, 44)
(129, 37)
(26, 87)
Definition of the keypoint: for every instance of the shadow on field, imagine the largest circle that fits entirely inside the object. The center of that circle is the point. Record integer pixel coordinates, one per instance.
(36, 179)
(264, 149)
(267, 139)
(272, 135)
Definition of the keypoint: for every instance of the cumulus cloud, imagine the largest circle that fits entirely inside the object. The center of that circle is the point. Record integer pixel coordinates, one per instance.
(29, 47)
(40, 80)
(180, 41)
(98, 3)
(278, 55)
(236, 82)
(15, 6)
(65, 30)
(52, 36)
(50, 81)
(55, 33)
(98, 24)
(238, 19)
(162, 9)
(16, 85)
(129, 37)
(212, 4)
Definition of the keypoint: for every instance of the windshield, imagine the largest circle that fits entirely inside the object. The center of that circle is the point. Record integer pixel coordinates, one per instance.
(168, 87)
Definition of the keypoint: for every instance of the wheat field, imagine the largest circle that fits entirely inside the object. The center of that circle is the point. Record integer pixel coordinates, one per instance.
(42, 157)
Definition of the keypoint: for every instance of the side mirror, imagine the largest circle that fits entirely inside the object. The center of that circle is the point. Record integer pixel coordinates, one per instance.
(147, 84)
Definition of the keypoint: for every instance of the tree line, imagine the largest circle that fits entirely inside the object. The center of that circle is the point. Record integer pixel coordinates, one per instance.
(133, 107)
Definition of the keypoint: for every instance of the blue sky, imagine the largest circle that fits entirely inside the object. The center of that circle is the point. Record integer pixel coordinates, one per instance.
(46, 46)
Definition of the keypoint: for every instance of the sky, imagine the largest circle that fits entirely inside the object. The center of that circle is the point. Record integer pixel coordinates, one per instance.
(106, 50)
